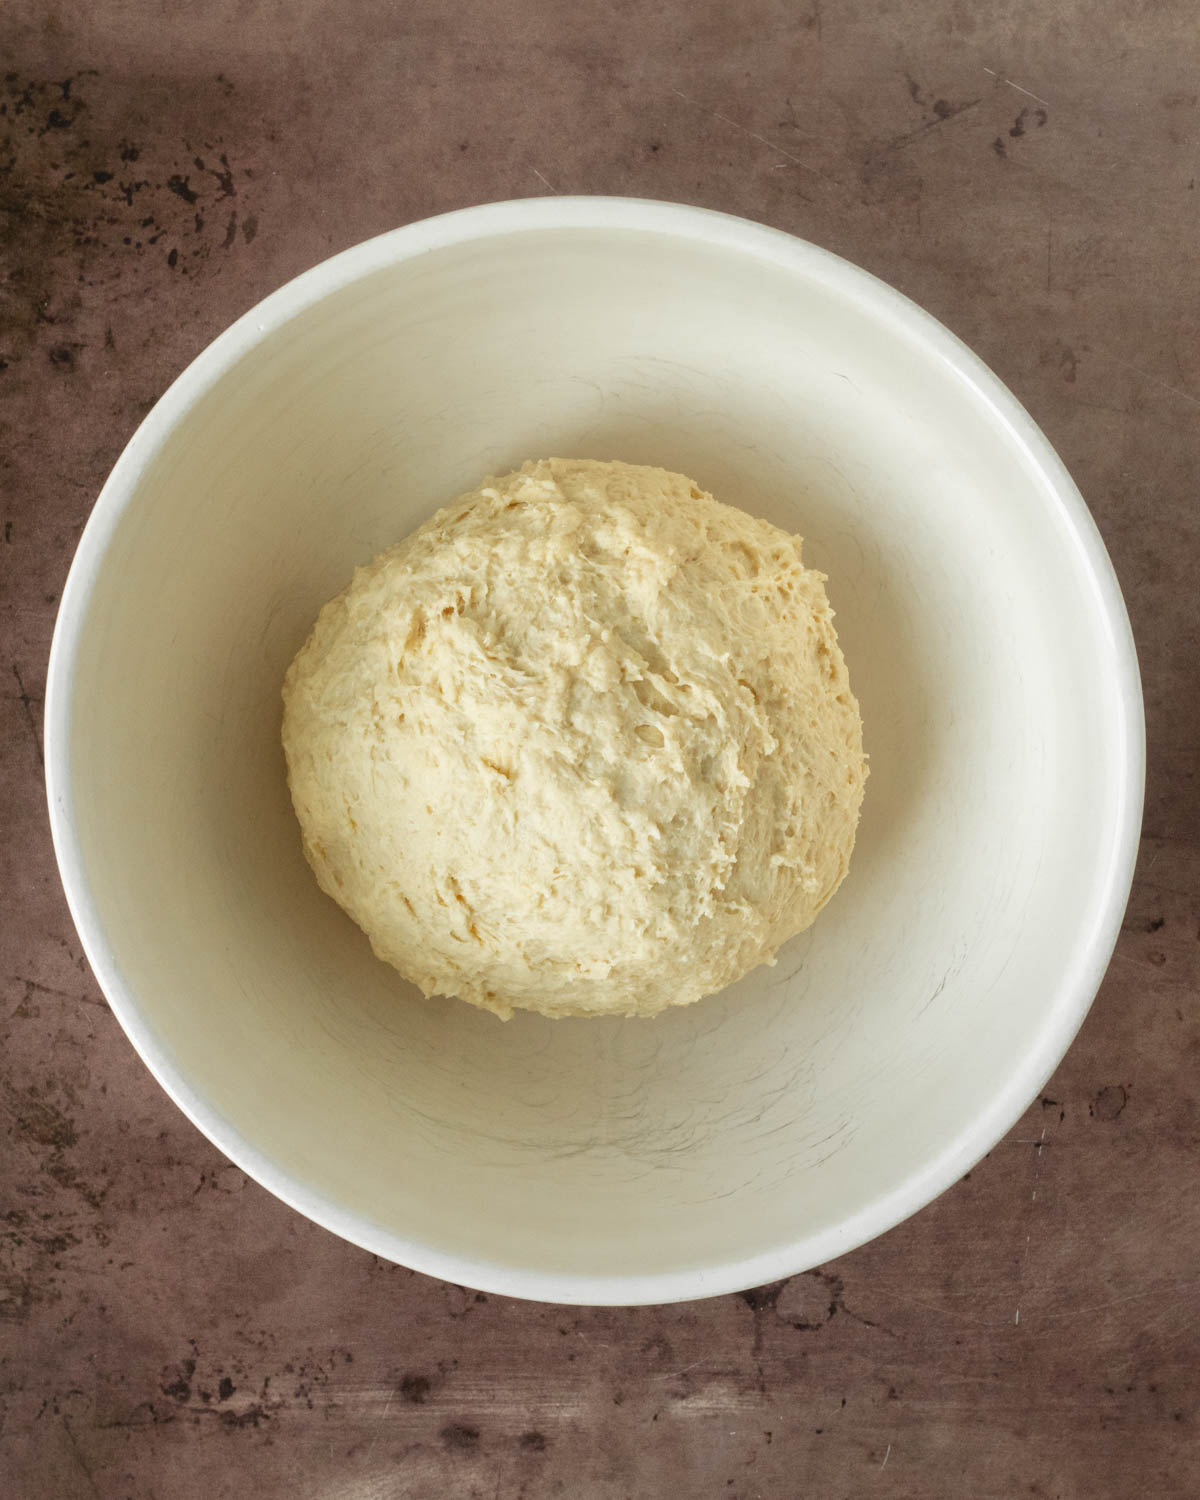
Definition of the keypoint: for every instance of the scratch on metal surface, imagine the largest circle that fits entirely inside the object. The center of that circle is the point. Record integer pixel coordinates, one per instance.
(753, 134)
(886, 1456)
(387, 1406)
(1154, 379)
(77, 1454)
(32, 987)
(897, 143)
(1029, 94)
(541, 179)
(1049, 250)
(26, 701)
(675, 1374)
(1039, 1147)
(1171, 1292)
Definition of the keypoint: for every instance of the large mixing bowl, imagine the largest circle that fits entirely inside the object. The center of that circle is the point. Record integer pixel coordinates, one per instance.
(815, 1103)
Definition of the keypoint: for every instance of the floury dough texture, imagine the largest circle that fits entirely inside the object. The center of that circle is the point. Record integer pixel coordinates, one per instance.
(583, 744)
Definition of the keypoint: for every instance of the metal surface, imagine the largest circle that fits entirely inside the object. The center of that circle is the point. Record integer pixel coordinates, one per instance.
(167, 1329)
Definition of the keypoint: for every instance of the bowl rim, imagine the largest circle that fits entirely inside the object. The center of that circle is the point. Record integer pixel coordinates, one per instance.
(1092, 944)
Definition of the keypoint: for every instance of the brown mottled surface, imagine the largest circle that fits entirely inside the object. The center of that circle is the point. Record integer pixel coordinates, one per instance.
(1027, 171)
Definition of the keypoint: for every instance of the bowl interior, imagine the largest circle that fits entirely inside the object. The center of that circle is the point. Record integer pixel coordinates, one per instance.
(757, 1132)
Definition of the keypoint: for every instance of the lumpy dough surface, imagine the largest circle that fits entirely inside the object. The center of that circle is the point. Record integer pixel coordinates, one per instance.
(583, 744)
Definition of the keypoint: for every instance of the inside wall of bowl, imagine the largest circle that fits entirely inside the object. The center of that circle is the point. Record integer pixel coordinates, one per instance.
(754, 1119)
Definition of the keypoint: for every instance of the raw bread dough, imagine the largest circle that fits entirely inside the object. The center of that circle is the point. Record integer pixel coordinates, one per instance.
(583, 743)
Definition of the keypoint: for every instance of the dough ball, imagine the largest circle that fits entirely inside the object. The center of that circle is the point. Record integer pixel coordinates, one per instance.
(583, 744)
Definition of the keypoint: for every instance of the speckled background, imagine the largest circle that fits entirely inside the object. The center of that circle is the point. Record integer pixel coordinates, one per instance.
(1027, 171)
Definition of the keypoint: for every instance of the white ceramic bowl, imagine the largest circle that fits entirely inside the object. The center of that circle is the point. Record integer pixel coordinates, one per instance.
(816, 1103)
